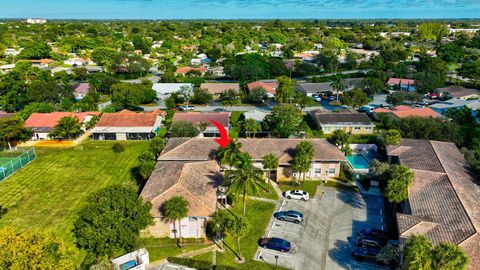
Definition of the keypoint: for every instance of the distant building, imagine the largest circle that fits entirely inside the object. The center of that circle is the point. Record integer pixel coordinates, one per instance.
(41, 63)
(401, 84)
(42, 124)
(350, 122)
(310, 89)
(403, 111)
(36, 21)
(197, 118)
(460, 92)
(184, 70)
(269, 87)
(454, 103)
(128, 125)
(216, 89)
(80, 90)
(164, 90)
(137, 260)
(4, 69)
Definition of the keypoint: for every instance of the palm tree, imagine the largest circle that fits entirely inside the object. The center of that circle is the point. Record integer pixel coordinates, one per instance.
(67, 128)
(251, 126)
(238, 229)
(244, 178)
(337, 84)
(417, 253)
(303, 157)
(449, 256)
(270, 162)
(174, 210)
(220, 223)
(228, 155)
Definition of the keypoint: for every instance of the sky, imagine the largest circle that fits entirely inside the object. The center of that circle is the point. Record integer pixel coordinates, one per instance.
(239, 9)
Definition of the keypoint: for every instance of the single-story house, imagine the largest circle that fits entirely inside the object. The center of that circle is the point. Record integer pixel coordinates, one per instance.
(403, 111)
(401, 84)
(4, 69)
(42, 124)
(5, 114)
(442, 201)
(454, 103)
(460, 92)
(215, 89)
(184, 70)
(164, 90)
(196, 181)
(350, 122)
(256, 115)
(94, 69)
(128, 125)
(80, 90)
(197, 118)
(269, 87)
(310, 89)
(41, 63)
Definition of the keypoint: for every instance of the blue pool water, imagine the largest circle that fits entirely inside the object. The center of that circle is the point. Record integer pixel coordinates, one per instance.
(237, 9)
(358, 162)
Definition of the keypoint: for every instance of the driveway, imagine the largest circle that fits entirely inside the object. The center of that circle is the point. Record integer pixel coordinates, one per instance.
(326, 238)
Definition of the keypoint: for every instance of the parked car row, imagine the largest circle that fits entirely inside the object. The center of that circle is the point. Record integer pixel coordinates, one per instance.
(294, 216)
(368, 244)
(186, 108)
(319, 98)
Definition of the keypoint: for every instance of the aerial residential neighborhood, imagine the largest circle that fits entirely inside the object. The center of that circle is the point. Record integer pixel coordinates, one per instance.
(240, 135)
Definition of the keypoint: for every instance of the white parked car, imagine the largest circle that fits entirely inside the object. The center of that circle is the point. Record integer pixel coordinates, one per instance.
(296, 194)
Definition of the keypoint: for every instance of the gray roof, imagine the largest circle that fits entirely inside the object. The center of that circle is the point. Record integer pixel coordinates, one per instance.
(326, 86)
(342, 118)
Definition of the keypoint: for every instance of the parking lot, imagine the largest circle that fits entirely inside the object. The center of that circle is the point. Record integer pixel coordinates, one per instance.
(326, 237)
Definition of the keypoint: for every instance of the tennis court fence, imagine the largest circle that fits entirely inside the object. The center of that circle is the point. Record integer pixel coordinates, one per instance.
(13, 160)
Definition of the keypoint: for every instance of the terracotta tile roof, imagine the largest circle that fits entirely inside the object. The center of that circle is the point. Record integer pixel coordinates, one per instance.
(198, 149)
(218, 88)
(43, 120)
(406, 111)
(270, 87)
(127, 118)
(197, 182)
(185, 70)
(443, 199)
(401, 81)
(198, 117)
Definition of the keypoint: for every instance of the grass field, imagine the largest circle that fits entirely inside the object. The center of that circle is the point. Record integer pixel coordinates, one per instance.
(49, 192)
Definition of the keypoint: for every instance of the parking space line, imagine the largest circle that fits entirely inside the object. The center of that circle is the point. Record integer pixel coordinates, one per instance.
(267, 251)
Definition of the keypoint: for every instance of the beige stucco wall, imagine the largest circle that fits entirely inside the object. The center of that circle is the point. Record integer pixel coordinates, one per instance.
(358, 130)
(318, 171)
(190, 228)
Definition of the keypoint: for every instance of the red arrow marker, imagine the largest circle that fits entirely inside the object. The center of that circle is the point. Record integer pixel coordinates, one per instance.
(224, 139)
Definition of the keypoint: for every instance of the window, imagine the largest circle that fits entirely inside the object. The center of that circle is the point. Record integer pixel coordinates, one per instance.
(357, 128)
(368, 128)
(331, 170)
(318, 170)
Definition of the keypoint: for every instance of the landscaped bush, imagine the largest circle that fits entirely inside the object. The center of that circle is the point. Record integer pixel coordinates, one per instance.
(200, 265)
(221, 267)
(118, 148)
(346, 173)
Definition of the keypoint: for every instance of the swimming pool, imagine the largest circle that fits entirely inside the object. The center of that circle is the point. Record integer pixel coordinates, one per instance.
(358, 162)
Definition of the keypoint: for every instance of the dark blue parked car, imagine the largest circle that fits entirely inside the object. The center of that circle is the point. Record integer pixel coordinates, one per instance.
(291, 216)
(365, 253)
(373, 232)
(275, 244)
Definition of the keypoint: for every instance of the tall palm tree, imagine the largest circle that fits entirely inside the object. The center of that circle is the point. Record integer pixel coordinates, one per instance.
(244, 179)
(228, 155)
(337, 84)
(174, 210)
(270, 162)
(238, 229)
(449, 256)
(220, 224)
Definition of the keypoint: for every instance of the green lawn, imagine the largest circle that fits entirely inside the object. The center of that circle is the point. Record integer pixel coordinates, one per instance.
(161, 248)
(258, 215)
(48, 192)
(308, 186)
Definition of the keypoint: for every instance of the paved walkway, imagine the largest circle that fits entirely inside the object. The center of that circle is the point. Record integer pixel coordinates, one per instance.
(161, 263)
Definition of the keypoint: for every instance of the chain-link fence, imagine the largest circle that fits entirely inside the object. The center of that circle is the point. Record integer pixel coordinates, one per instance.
(13, 160)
